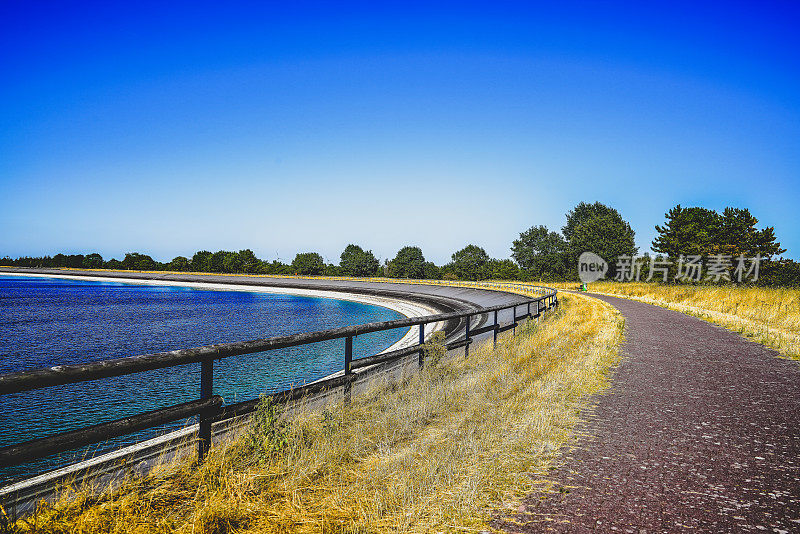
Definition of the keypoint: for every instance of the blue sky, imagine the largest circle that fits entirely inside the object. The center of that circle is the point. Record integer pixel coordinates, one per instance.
(166, 128)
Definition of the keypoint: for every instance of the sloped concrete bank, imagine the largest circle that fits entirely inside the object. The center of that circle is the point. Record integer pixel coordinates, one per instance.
(409, 299)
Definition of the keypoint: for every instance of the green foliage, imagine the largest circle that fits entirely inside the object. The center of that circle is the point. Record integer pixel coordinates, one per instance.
(700, 231)
(434, 349)
(74, 261)
(276, 267)
(503, 270)
(216, 262)
(782, 272)
(689, 231)
(93, 261)
(138, 262)
(248, 263)
(356, 261)
(600, 229)
(542, 254)
(267, 435)
(471, 263)
(201, 262)
(432, 272)
(409, 263)
(308, 263)
(180, 264)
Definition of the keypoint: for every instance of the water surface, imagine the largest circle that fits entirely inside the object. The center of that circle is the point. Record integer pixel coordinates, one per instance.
(52, 321)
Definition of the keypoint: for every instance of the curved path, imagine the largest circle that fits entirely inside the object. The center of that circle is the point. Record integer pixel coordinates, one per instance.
(699, 431)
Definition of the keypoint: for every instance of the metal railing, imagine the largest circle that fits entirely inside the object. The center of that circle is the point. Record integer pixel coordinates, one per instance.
(210, 408)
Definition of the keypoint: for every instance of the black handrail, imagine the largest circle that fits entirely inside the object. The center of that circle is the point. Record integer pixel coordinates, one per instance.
(209, 407)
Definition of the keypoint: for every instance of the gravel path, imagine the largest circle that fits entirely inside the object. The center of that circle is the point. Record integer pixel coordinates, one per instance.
(699, 431)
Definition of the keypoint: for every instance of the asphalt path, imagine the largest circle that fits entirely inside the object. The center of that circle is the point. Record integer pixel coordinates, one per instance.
(700, 431)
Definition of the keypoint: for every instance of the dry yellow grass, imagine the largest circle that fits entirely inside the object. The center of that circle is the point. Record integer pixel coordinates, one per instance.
(770, 316)
(439, 451)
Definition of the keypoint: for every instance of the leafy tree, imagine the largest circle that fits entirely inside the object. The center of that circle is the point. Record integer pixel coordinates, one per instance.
(114, 264)
(138, 262)
(232, 263)
(74, 261)
(606, 235)
(600, 229)
(201, 261)
(409, 263)
(432, 272)
(541, 253)
(470, 263)
(93, 261)
(503, 270)
(275, 267)
(180, 264)
(355, 261)
(249, 262)
(216, 262)
(308, 263)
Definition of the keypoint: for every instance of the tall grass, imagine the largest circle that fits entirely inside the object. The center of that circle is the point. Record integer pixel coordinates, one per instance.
(440, 450)
(770, 316)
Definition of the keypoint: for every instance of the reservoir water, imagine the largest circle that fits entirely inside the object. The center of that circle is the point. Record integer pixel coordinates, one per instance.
(53, 321)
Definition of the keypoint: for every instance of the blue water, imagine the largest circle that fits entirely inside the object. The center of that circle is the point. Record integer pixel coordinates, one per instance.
(49, 321)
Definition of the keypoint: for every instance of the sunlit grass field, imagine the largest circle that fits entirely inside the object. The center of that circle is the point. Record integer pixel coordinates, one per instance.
(441, 450)
(770, 316)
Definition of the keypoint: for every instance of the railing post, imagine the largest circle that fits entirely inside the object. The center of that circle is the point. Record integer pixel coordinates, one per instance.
(466, 339)
(206, 390)
(348, 370)
(529, 312)
(514, 322)
(495, 328)
(421, 343)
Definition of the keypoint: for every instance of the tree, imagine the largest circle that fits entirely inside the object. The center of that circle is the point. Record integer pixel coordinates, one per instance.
(470, 263)
(700, 231)
(232, 263)
(688, 231)
(355, 261)
(138, 262)
(503, 270)
(93, 261)
(432, 272)
(541, 253)
(600, 229)
(738, 235)
(180, 264)
(308, 263)
(216, 261)
(201, 261)
(409, 263)
(606, 235)
(249, 262)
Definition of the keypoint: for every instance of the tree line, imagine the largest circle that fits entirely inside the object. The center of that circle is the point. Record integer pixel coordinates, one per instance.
(539, 254)
(470, 263)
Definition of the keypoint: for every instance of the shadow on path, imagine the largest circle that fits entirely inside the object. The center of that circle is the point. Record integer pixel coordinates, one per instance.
(699, 431)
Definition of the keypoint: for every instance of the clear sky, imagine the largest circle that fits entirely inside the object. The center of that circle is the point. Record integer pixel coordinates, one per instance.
(165, 128)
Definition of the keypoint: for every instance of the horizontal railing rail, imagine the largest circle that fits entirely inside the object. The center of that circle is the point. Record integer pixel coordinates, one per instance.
(210, 408)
